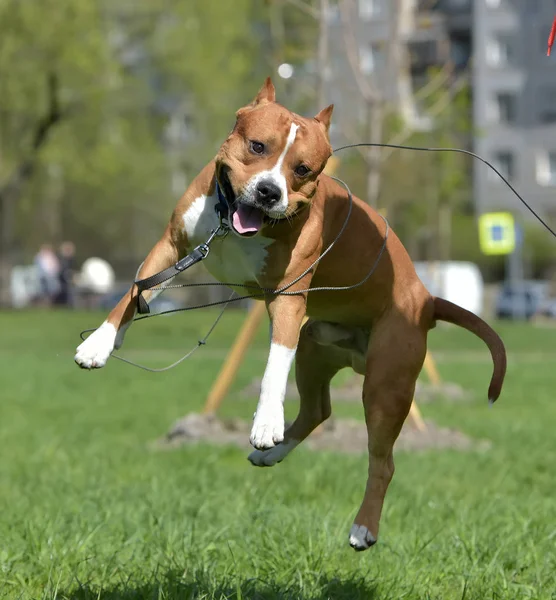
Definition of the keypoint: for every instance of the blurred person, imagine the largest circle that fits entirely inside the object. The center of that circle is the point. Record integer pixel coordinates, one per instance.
(66, 258)
(48, 267)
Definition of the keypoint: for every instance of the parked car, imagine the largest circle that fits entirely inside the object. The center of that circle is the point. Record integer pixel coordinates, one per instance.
(522, 300)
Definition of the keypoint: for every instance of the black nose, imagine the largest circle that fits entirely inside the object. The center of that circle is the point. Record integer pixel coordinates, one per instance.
(268, 192)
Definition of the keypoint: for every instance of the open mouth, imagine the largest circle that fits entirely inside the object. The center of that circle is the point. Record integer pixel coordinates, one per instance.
(246, 220)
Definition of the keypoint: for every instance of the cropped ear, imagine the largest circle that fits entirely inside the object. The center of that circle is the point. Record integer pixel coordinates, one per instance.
(266, 94)
(324, 116)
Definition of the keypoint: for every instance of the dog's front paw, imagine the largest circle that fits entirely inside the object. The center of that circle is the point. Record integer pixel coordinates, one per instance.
(271, 457)
(360, 538)
(96, 349)
(268, 429)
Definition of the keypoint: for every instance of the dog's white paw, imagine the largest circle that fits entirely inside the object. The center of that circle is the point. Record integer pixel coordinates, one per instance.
(96, 349)
(268, 429)
(268, 458)
(360, 538)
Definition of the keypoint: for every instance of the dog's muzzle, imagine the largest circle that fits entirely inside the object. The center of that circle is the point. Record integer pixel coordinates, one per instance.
(267, 193)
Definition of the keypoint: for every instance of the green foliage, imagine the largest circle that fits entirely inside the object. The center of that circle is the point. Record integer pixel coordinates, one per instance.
(147, 90)
(417, 187)
(203, 50)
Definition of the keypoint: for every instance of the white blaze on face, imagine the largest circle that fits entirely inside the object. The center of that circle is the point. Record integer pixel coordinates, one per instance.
(276, 176)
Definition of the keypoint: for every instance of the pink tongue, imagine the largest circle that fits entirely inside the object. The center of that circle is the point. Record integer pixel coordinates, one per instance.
(247, 219)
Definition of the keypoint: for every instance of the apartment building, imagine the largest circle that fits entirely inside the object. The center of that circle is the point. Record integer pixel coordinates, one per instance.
(436, 30)
(503, 45)
(514, 108)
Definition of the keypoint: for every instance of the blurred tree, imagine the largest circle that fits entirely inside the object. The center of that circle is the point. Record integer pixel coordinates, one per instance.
(288, 33)
(37, 72)
(108, 109)
(434, 184)
(420, 191)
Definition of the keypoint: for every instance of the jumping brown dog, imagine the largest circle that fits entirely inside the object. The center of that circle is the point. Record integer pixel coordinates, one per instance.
(283, 212)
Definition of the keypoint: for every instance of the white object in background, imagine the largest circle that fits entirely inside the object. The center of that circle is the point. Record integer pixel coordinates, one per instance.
(96, 275)
(458, 282)
(24, 285)
(285, 70)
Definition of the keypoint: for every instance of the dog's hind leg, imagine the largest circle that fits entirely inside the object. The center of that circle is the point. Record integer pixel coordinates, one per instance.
(394, 359)
(315, 366)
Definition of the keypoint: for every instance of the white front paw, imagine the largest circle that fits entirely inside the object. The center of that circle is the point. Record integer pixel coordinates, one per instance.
(268, 429)
(96, 349)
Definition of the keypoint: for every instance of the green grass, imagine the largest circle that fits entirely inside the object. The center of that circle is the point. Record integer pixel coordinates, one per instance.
(88, 510)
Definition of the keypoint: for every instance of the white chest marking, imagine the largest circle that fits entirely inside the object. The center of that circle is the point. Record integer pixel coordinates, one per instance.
(232, 259)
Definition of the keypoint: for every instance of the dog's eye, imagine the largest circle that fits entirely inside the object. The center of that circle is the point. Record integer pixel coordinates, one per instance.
(256, 147)
(302, 170)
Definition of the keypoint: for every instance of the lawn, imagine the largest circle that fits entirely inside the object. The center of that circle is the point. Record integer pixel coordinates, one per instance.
(89, 510)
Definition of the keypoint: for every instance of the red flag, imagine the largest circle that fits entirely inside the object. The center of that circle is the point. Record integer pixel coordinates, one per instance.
(551, 37)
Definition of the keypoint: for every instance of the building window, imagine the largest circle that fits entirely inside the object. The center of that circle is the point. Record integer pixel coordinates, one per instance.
(499, 51)
(546, 98)
(460, 50)
(370, 58)
(505, 163)
(546, 168)
(505, 107)
(423, 54)
(370, 9)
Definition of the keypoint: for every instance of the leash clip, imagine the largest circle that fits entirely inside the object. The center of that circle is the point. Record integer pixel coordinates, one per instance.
(220, 232)
(204, 250)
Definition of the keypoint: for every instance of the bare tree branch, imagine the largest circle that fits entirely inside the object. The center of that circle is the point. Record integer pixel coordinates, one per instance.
(438, 108)
(354, 138)
(436, 82)
(12, 190)
(322, 53)
(368, 91)
(402, 137)
(277, 31)
(306, 8)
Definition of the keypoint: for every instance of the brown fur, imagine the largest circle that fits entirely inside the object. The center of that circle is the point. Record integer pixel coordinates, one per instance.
(381, 326)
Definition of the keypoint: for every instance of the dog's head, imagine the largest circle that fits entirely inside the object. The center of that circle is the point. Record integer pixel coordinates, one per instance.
(269, 164)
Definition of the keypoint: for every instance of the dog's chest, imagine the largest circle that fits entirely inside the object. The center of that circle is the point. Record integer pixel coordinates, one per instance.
(232, 259)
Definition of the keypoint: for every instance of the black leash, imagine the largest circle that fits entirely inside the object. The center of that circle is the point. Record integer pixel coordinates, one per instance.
(202, 251)
(199, 253)
(460, 151)
(261, 293)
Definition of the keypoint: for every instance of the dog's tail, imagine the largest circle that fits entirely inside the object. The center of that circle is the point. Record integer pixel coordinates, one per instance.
(452, 313)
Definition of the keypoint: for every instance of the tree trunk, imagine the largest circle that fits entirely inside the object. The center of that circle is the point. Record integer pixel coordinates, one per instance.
(7, 227)
(322, 55)
(375, 121)
(12, 190)
(444, 230)
(277, 32)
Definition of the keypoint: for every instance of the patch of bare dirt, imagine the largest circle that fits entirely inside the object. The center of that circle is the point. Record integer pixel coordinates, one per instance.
(343, 435)
(351, 391)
